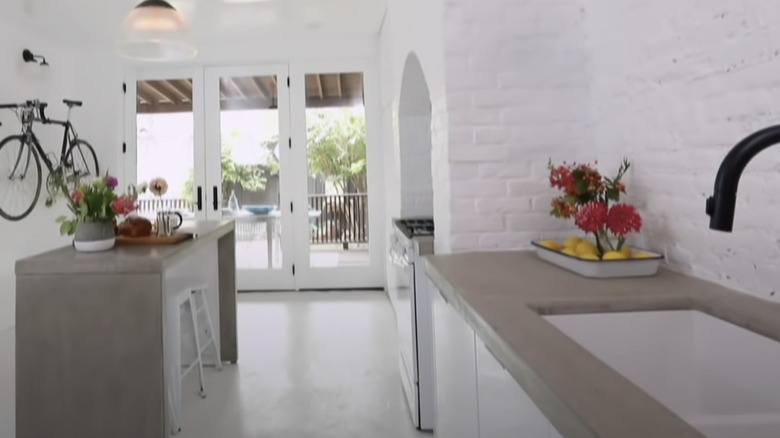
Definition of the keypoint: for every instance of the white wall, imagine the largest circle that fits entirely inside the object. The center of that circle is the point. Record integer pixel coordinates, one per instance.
(675, 87)
(416, 27)
(70, 75)
(666, 84)
(518, 93)
(414, 129)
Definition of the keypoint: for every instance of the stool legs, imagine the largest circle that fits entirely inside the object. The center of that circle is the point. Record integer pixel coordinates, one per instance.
(198, 356)
(196, 300)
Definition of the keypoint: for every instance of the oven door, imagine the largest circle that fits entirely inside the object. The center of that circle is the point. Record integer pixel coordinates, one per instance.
(403, 276)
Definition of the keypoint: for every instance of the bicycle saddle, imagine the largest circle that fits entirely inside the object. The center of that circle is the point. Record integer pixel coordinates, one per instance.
(72, 103)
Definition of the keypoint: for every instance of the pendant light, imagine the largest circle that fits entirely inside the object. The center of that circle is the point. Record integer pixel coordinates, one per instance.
(155, 31)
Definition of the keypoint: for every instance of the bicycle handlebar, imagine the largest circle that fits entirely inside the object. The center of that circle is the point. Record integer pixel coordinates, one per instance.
(32, 104)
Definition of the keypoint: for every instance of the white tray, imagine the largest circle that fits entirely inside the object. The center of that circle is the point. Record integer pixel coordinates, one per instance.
(644, 267)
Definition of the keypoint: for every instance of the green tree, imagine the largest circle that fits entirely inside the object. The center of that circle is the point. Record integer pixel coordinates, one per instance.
(337, 149)
(252, 177)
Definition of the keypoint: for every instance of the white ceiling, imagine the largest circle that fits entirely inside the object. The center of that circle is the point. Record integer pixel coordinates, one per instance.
(98, 21)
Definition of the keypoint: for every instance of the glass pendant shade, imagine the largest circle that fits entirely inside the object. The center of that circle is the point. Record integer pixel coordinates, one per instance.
(155, 31)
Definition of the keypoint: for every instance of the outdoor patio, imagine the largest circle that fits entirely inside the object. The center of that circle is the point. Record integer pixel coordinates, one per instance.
(253, 254)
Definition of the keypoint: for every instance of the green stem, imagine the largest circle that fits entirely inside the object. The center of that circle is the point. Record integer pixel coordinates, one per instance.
(598, 244)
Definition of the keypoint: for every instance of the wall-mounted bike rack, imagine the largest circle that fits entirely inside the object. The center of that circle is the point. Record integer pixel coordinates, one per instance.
(28, 56)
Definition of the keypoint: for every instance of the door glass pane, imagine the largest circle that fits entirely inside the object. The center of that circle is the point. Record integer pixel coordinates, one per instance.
(165, 144)
(337, 184)
(249, 130)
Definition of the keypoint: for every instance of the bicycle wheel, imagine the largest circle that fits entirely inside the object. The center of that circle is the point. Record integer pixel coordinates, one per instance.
(80, 163)
(20, 178)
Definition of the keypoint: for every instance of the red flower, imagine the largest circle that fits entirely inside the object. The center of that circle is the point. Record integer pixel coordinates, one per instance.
(620, 187)
(123, 205)
(592, 217)
(77, 196)
(561, 178)
(563, 208)
(623, 219)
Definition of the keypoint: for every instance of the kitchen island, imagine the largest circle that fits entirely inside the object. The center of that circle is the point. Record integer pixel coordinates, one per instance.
(502, 304)
(93, 356)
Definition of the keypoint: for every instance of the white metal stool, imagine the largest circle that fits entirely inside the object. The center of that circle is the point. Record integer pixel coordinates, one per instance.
(196, 303)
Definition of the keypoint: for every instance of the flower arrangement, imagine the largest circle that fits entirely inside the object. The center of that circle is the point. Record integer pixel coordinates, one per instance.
(97, 201)
(594, 202)
(158, 187)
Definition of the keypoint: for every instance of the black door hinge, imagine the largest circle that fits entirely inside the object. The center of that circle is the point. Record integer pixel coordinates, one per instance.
(291, 207)
(124, 148)
(124, 87)
(289, 141)
(293, 269)
(288, 82)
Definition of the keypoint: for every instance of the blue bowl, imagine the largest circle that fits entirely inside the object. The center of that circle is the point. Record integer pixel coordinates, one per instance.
(259, 209)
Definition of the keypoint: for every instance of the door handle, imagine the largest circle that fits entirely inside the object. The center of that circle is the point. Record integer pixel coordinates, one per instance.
(215, 200)
(200, 198)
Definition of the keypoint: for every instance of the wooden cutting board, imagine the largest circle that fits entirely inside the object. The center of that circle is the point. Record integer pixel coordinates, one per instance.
(153, 240)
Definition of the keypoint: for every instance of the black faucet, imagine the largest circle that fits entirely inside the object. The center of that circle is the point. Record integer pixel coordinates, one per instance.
(720, 206)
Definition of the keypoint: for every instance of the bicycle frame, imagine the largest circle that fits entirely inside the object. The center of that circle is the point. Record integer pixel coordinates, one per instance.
(69, 136)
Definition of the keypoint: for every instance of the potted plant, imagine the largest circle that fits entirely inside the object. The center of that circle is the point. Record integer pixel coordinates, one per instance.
(95, 206)
(593, 200)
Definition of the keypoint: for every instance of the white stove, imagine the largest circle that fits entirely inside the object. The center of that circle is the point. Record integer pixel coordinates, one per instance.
(408, 292)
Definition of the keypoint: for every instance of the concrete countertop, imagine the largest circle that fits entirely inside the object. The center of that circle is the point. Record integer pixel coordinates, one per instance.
(503, 295)
(124, 259)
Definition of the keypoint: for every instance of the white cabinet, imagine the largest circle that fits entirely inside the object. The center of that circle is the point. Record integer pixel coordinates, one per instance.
(475, 396)
(456, 374)
(505, 410)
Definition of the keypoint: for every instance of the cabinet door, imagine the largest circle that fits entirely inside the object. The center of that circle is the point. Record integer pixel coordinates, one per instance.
(505, 410)
(456, 374)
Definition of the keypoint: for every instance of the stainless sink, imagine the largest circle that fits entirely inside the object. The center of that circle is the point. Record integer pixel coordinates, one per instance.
(722, 379)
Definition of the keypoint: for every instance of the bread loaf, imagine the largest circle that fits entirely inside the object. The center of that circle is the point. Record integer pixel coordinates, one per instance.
(135, 226)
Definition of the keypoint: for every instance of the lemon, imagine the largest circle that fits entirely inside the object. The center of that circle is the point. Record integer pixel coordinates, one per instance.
(626, 251)
(614, 255)
(569, 251)
(550, 244)
(572, 242)
(643, 255)
(589, 256)
(586, 247)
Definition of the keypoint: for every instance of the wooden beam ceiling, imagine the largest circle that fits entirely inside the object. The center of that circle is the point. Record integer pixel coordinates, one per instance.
(244, 93)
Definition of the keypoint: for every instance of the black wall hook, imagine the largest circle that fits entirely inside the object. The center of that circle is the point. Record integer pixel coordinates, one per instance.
(28, 56)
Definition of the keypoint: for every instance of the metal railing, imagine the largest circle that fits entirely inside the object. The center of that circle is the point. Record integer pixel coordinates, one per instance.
(156, 204)
(343, 219)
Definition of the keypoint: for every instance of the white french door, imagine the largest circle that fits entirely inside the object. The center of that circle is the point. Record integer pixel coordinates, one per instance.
(338, 175)
(249, 169)
(164, 115)
(289, 152)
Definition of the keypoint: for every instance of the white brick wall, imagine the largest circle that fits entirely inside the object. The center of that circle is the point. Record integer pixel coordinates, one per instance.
(671, 85)
(517, 78)
(676, 85)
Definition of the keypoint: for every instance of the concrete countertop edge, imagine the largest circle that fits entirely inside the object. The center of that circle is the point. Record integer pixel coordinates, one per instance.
(31, 266)
(576, 412)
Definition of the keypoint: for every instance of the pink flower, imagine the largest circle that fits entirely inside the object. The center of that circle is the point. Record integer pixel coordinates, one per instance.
(623, 219)
(77, 196)
(592, 217)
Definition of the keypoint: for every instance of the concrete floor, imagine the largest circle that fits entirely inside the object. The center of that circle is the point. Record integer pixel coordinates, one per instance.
(311, 365)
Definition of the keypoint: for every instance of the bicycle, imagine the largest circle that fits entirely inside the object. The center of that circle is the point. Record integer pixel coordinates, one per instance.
(24, 154)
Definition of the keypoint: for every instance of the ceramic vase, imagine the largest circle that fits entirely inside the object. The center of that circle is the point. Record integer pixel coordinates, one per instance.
(94, 236)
